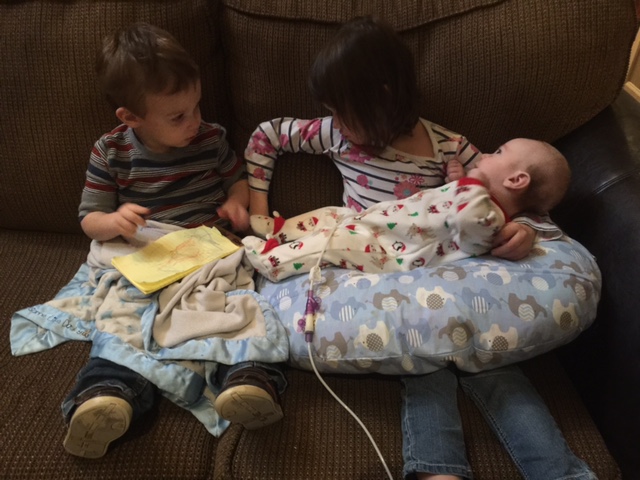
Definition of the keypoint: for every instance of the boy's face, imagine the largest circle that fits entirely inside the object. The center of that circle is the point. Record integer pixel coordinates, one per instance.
(171, 121)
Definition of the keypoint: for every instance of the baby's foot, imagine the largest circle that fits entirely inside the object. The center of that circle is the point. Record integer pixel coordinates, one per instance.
(261, 225)
(253, 244)
(267, 227)
(257, 245)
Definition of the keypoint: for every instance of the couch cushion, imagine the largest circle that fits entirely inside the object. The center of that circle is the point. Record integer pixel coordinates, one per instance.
(52, 110)
(406, 15)
(169, 442)
(492, 70)
(319, 439)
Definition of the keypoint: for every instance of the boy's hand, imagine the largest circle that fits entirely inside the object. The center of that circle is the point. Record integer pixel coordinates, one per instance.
(106, 226)
(455, 170)
(128, 218)
(236, 213)
(514, 241)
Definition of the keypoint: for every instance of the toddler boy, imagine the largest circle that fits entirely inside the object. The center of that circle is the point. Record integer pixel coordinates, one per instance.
(162, 163)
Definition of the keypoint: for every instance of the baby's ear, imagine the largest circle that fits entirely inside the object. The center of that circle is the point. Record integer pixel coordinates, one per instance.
(519, 180)
(127, 117)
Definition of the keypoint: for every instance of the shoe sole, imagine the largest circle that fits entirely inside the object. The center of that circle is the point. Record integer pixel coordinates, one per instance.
(95, 424)
(250, 406)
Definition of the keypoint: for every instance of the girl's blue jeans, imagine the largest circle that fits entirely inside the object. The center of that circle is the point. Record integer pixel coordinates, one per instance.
(432, 429)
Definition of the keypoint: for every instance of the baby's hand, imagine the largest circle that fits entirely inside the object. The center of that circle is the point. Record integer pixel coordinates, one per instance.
(455, 170)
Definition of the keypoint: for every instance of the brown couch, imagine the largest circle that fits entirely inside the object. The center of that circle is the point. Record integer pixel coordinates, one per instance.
(492, 69)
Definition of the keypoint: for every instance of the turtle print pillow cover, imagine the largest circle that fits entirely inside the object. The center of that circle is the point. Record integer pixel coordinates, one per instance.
(478, 313)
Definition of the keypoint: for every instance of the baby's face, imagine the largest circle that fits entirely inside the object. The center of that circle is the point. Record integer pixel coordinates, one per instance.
(493, 168)
(172, 120)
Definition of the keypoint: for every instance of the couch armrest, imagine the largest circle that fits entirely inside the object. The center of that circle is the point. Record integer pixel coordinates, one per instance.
(602, 211)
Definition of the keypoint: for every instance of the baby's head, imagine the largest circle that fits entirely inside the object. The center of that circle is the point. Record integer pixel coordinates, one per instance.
(365, 75)
(142, 59)
(531, 175)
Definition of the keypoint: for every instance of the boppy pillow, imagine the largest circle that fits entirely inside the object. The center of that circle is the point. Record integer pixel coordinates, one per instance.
(478, 313)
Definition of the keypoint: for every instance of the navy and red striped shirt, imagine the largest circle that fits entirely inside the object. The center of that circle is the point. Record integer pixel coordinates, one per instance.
(182, 187)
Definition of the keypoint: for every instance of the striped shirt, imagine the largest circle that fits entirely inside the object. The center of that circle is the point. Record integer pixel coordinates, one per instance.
(183, 187)
(368, 177)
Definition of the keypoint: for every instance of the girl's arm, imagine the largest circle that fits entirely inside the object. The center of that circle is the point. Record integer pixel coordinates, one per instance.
(258, 203)
(544, 227)
(276, 137)
(514, 241)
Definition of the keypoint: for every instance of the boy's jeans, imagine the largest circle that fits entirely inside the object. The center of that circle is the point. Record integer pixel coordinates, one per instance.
(432, 430)
(100, 374)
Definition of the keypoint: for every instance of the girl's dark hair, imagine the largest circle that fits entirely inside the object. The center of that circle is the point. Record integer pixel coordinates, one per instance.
(367, 76)
(141, 59)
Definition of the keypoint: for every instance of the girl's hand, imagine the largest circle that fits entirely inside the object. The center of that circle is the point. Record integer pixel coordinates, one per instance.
(514, 241)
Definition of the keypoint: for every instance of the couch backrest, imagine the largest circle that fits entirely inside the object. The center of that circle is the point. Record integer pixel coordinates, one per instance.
(51, 110)
(489, 69)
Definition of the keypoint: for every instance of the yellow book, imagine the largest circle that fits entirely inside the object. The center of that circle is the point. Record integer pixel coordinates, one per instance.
(173, 256)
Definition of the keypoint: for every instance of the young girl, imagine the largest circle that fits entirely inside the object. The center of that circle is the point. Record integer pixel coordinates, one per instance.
(365, 77)
(375, 137)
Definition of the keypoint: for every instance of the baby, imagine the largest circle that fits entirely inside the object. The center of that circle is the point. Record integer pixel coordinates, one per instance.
(431, 227)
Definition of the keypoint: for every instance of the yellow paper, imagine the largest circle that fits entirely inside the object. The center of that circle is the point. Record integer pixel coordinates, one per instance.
(173, 257)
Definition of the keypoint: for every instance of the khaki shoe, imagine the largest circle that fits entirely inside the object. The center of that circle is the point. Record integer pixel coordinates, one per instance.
(249, 398)
(95, 424)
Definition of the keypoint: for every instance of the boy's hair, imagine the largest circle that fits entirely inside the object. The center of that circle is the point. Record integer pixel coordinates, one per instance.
(550, 176)
(141, 59)
(367, 76)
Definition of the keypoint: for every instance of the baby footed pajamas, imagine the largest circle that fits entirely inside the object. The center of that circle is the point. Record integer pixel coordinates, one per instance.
(457, 220)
